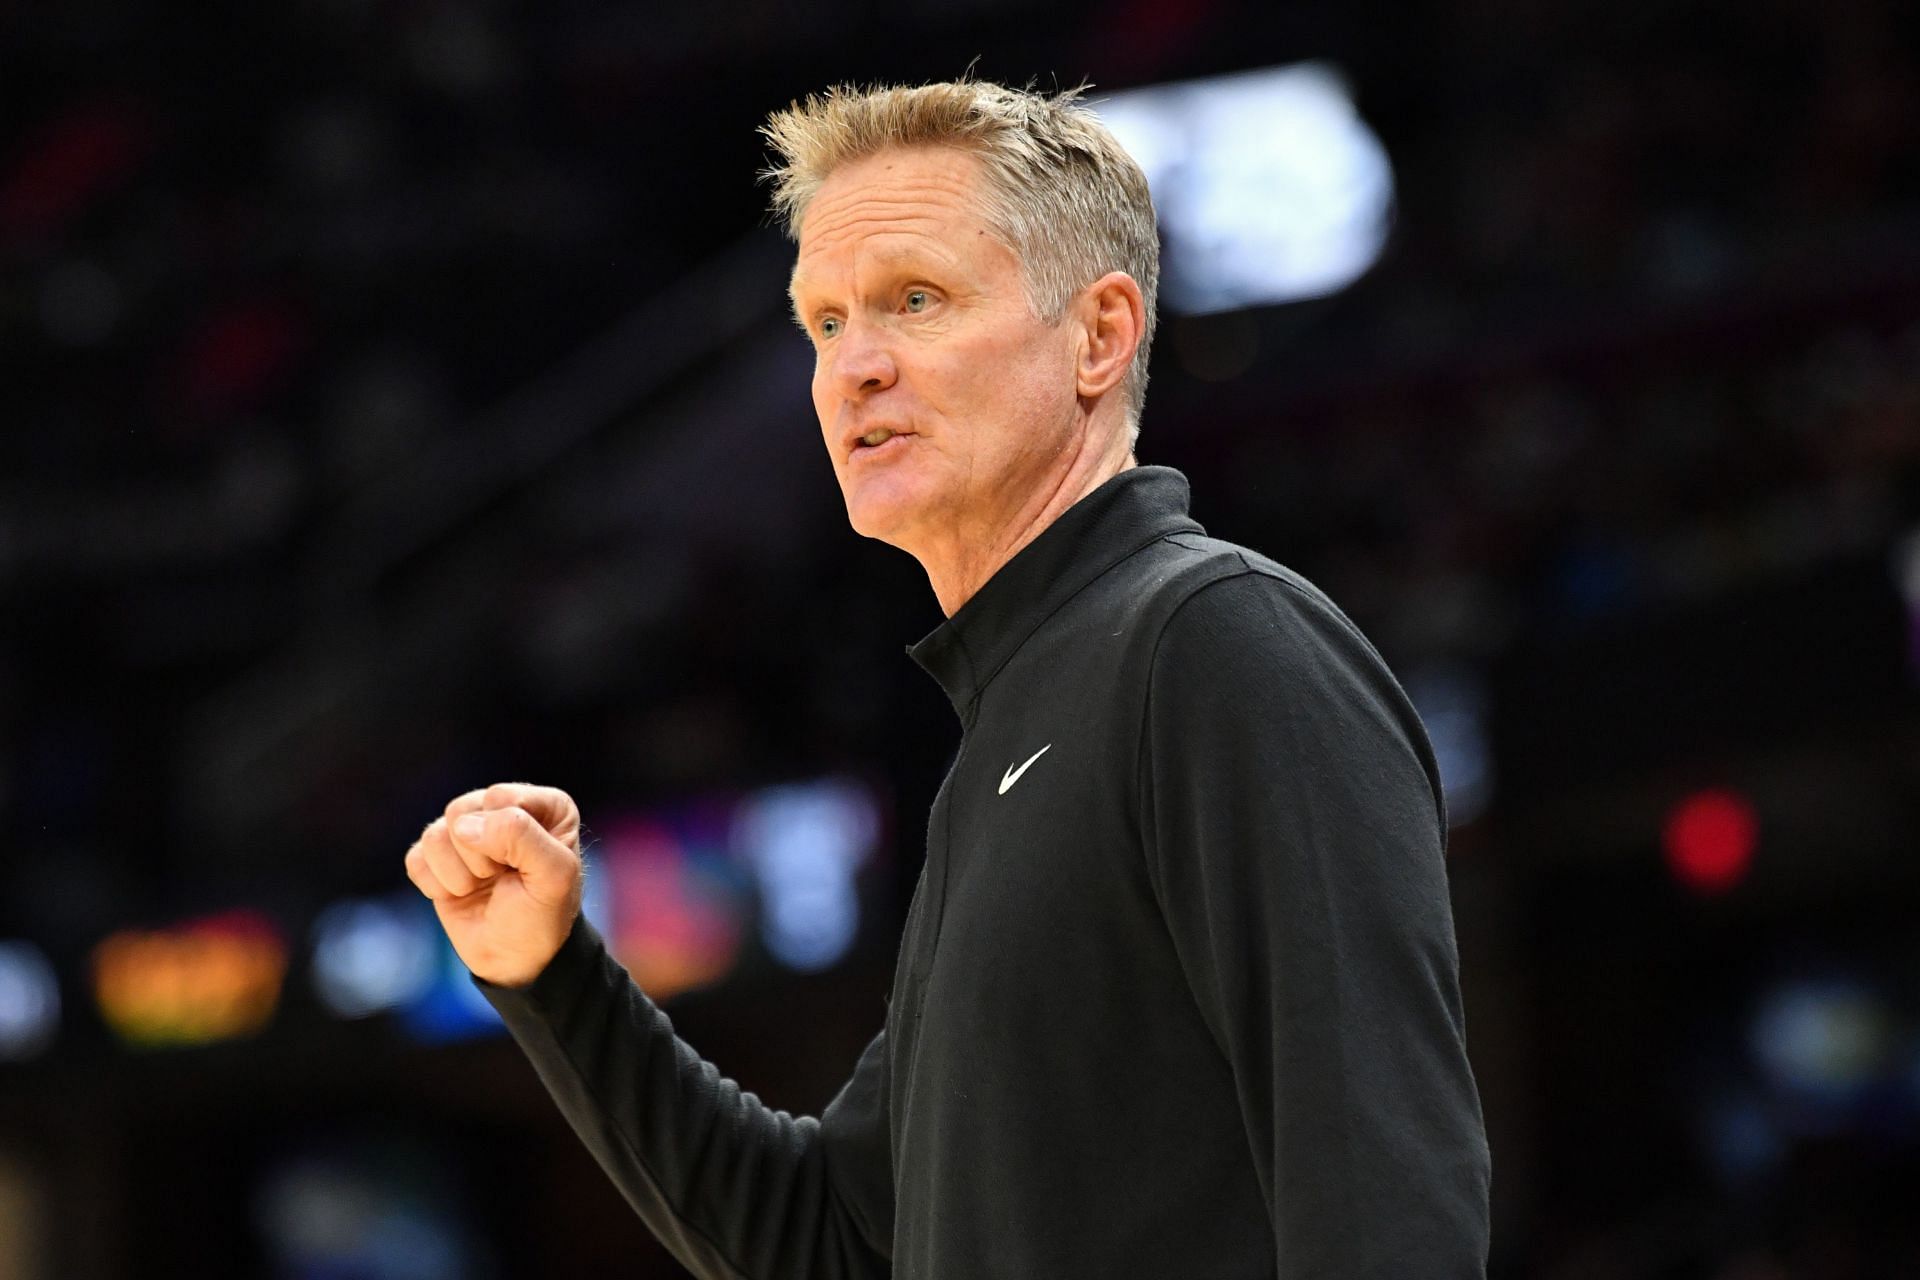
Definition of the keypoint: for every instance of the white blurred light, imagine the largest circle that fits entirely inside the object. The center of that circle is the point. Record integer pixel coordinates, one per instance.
(1828, 1039)
(805, 843)
(29, 1001)
(1452, 705)
(372, 954)
(1269, 186)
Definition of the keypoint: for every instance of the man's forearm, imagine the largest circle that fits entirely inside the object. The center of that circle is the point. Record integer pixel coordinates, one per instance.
(734, 1188)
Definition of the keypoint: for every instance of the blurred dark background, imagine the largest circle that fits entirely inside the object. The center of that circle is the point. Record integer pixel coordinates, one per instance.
(398, 398)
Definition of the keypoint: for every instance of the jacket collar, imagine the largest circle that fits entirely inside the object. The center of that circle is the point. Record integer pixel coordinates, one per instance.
(1133, 508)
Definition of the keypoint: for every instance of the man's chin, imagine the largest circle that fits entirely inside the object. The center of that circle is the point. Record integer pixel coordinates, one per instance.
(879, 529)
(885, 517)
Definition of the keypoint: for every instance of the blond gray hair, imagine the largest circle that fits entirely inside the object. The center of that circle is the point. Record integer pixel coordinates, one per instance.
(1060, 191)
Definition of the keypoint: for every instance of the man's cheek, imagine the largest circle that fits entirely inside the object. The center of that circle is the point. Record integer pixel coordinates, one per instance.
(823, 409)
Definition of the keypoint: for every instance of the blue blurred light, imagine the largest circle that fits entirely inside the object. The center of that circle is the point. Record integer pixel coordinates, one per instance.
(1452, 703)
(29, 1001)
(596, 893)
(1741, 1138)
(371, 954)
(450, 1007)
(369, 1211)
(806, 843)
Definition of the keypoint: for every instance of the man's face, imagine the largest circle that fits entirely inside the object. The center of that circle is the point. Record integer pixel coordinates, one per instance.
(920, 325)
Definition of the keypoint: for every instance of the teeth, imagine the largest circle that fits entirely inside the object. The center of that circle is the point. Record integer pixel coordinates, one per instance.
(879, 435)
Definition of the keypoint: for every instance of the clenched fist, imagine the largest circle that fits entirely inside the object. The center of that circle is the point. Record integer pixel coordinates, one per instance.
(503, 869)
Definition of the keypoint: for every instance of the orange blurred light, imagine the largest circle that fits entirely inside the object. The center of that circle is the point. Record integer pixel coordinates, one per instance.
(205, 980)
(1710, 838)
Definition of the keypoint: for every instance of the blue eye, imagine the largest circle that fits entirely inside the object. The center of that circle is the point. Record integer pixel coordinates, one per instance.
(918, 300)
(829, 326)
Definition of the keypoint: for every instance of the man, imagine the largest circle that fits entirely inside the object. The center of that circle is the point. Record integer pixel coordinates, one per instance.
(1177, 994)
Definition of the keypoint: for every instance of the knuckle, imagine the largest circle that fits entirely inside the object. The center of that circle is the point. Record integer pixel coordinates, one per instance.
(445, 863)
(460, 804)
(421, 875)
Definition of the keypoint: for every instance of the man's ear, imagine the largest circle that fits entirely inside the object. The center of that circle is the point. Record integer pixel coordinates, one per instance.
(1113, 317)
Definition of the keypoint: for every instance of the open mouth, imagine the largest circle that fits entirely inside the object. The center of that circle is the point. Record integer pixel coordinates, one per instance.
(880, 441)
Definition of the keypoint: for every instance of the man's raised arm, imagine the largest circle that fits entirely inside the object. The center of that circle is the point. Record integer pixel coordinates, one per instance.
(736, 1189)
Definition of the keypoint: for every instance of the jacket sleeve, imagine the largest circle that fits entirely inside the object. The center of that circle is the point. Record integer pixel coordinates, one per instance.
(1296, 833)
(735, 1189)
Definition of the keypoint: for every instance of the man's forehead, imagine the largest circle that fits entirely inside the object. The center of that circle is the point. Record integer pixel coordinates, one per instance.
(901, 171)
(893, 186)
(897, 207)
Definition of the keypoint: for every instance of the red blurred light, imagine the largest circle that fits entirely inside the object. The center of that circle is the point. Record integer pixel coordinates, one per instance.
(674, 928)
(75, 158)
(1710, 838)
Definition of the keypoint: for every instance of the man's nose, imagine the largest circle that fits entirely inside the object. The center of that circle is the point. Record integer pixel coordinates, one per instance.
(862, 361)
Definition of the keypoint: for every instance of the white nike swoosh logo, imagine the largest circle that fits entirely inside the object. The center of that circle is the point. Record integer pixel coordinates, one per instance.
(1013, 775)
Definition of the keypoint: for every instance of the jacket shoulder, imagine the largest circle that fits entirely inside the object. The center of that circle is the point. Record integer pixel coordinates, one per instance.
(1182, 566)
(1234, 627)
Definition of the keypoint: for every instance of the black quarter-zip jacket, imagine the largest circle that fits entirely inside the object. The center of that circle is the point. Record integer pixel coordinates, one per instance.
(1178, 992)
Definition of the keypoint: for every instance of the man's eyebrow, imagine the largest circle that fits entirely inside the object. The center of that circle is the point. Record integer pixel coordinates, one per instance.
(897, 259)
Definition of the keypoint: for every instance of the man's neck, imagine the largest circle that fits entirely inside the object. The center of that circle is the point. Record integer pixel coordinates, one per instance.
(956, 582)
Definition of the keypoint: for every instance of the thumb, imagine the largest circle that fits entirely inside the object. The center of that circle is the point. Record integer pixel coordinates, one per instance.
(511, 837)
